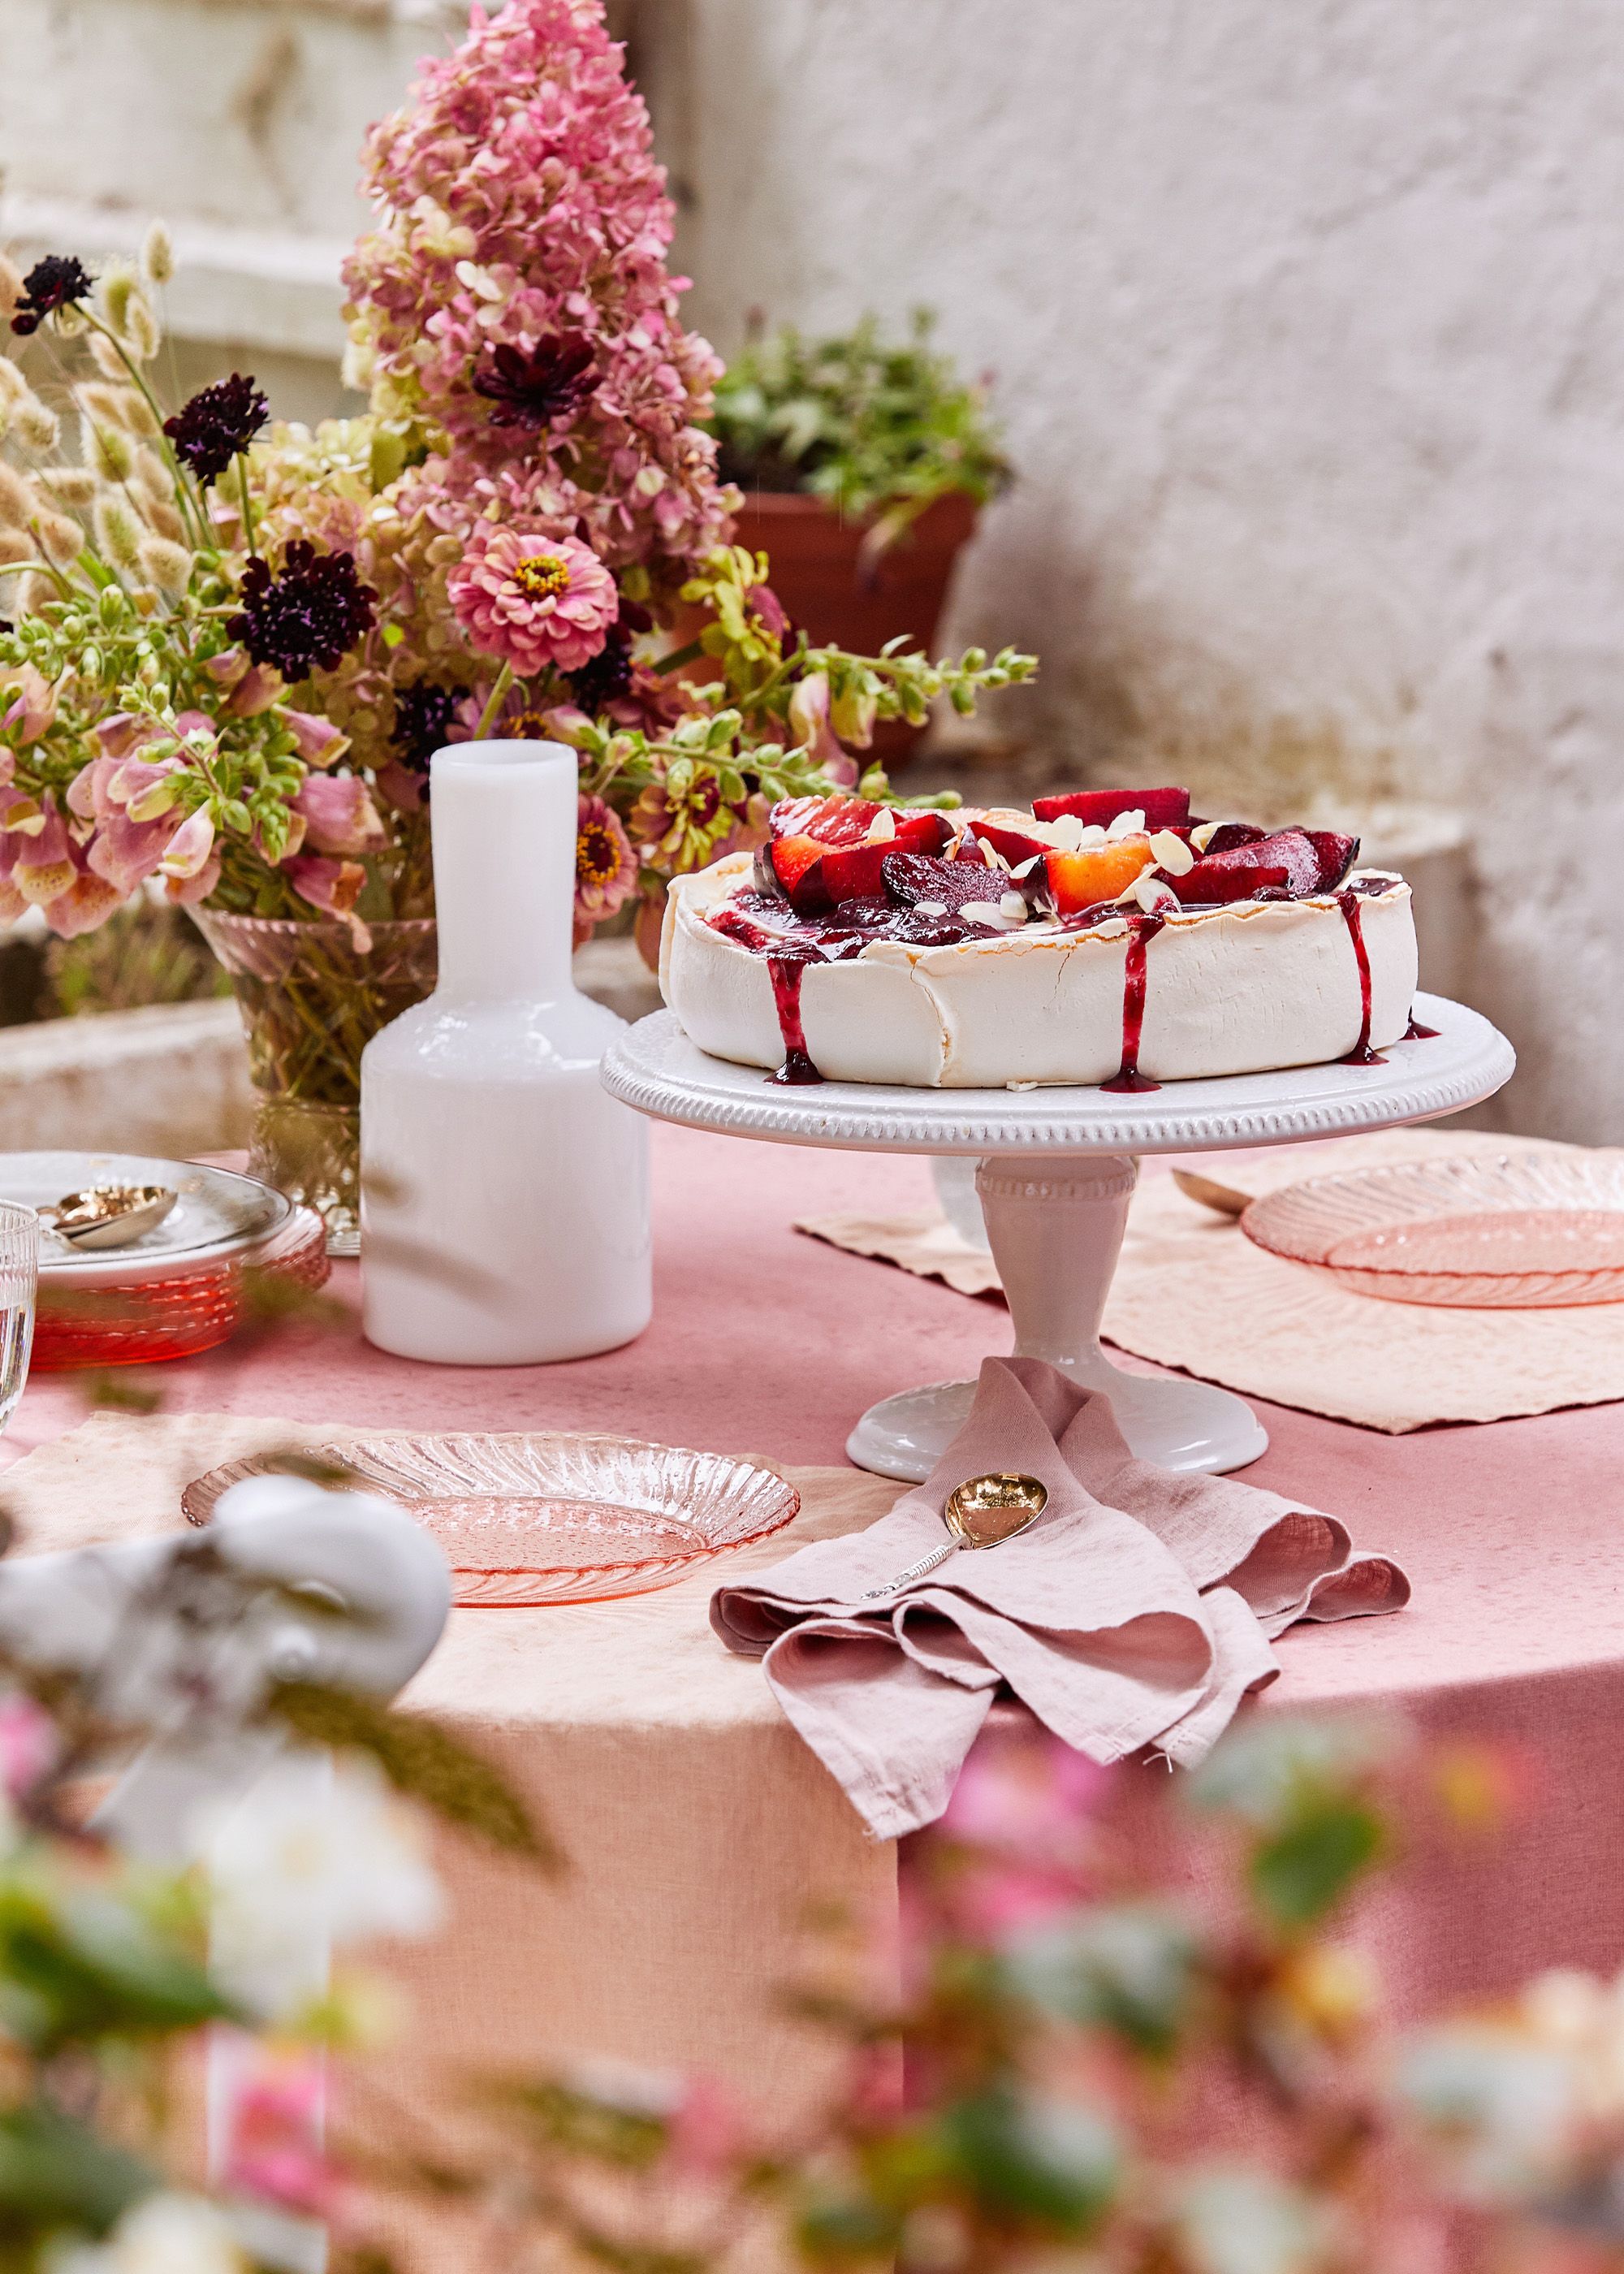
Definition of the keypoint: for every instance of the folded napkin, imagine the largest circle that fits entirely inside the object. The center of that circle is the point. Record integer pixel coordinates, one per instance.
(1136, 1611)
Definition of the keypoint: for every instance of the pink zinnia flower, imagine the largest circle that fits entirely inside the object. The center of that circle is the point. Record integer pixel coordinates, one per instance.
(533, 601)
(605, 866)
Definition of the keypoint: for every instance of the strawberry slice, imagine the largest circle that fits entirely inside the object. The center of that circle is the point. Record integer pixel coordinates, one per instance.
(831, 820)
(797, 864)
(1162, 808)
(1079, 880)
(856, 872)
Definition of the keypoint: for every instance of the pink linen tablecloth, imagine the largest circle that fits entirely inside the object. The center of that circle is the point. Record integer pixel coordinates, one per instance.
(765, 1341)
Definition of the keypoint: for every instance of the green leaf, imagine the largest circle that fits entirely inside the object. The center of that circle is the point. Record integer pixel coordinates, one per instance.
(422, 1759)
(55, 2173)
(1129, 1968)
(1051, 2162)
(1304, 1870)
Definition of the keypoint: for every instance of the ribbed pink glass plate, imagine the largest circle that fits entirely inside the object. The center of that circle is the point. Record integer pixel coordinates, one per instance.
(552, 1520)
(1492, 1231)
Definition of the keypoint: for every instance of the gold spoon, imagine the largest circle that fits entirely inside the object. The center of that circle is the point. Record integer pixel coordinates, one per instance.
(981, 1512)
(108, 1215)
(1223, 1198)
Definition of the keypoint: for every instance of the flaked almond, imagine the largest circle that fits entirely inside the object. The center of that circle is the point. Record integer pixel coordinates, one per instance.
(1172, 853)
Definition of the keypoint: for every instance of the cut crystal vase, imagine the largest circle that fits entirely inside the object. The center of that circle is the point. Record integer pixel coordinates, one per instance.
(311, 1000)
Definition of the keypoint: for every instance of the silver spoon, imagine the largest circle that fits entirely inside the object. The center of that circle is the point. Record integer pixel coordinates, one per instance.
(108, 1215)
(981, 1512)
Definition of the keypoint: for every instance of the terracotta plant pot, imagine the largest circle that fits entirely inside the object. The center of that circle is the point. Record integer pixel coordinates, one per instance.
(819, 575)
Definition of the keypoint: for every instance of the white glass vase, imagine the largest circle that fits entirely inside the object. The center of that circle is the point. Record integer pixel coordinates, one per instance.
(505, 1194)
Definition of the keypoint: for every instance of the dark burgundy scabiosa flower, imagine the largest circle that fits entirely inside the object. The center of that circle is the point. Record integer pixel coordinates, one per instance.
(532, 387)
(423, 715)
(602, 678)
(607, 676)
(57, 281)
(309, 615)
(218, 422)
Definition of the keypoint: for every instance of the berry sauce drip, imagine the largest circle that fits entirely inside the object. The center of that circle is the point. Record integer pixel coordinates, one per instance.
(787, 958)
(1361, 1054)
(1414, 1032)
(1128, 1080)
(797, 1070)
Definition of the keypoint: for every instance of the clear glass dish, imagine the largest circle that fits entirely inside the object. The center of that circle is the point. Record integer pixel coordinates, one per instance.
(553, 1519)
(1492, 1231)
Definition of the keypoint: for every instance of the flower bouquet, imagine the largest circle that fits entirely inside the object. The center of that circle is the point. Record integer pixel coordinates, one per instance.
(230, 648)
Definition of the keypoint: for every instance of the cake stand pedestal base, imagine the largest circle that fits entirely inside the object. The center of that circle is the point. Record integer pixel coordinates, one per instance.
(1056, 1227)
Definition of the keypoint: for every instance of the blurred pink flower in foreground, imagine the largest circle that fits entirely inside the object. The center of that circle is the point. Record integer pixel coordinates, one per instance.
(29, 1745)
(274, 2151)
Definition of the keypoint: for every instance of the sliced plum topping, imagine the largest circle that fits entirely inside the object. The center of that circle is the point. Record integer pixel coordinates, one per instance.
(1014, 844)
(1336, 854)
(1302, 860)
(1162, 808)
(1229, 834)
(911, 878)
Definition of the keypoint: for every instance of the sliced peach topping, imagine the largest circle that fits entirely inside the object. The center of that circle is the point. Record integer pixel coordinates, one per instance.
(1100, 872)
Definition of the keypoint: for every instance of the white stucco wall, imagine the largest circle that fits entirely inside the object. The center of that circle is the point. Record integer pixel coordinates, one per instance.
(1306, 322)
(1309, 332)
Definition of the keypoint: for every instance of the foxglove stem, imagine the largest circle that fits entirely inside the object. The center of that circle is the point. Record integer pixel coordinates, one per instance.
(487, 716)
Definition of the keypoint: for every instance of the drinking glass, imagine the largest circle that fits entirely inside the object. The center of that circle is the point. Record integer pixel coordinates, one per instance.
(19, 1267)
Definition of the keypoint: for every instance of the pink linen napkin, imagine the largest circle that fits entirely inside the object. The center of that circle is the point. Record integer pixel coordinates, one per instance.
(1136, 1611)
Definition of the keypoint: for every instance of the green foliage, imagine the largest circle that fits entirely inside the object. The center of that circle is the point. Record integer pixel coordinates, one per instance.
(874, 426)
(57, 2174)
(1039, 2163)
(84, 1966)
(421, 1759)
(144, 954)
(1128, 1968)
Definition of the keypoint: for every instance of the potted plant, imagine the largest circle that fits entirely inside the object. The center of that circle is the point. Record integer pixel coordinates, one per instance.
(229, 649)
(863, 465)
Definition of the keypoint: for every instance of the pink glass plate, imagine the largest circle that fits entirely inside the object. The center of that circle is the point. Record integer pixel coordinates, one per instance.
(553, 1519)
(1501, 1231)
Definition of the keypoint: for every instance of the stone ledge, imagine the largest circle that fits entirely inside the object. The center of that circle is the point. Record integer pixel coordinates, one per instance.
(171, 1080)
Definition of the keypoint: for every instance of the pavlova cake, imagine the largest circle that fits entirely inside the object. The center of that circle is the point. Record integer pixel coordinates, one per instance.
(1105, 936)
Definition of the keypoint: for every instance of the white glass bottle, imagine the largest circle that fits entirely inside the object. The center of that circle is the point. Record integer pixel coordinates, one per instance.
(505, 1194)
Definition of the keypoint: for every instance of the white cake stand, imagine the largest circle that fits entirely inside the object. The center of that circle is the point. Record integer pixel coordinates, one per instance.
(1057, 1169)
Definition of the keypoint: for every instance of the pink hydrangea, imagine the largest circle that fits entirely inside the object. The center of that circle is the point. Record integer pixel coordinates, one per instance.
(532, 601)
(515, 297)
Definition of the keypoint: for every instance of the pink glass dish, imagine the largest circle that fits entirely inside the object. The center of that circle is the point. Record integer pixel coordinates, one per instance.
(553, 1519)
(1501, 1231)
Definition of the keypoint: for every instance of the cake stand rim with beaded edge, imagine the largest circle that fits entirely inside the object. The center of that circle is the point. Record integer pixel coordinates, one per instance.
(1059, 1166)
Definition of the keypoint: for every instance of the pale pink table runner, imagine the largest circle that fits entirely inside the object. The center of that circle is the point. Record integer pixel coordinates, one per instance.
(1512, 1534)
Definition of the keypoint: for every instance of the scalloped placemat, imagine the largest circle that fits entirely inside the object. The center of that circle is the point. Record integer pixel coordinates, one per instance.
(1193, 1291)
